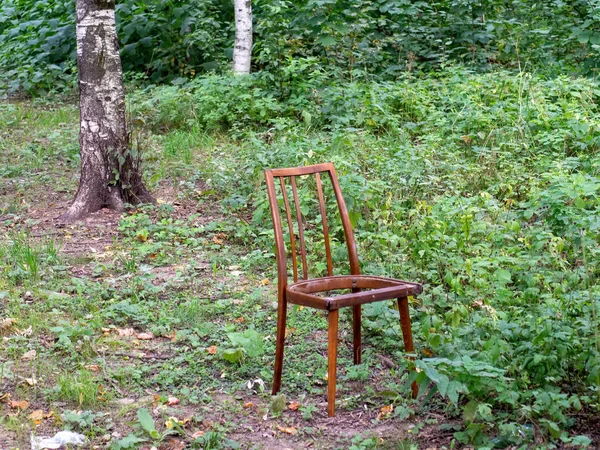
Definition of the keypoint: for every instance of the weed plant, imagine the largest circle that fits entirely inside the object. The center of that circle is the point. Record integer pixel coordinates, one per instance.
(484, 187)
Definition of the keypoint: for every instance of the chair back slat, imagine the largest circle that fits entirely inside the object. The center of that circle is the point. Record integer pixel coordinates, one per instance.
(324, 221)
(282, 256)
(350, 243)
(300, 229)
(288, 212)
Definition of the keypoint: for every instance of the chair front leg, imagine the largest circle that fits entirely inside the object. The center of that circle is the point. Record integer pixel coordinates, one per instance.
(332, 332)
(279, 344)
(356, 332)
(407, 334)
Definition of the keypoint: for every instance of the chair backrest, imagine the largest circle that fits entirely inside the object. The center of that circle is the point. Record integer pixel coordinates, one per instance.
(292, 173)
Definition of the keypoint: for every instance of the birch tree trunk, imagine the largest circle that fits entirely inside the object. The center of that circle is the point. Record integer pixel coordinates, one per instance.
(109, 168)
(242, 51)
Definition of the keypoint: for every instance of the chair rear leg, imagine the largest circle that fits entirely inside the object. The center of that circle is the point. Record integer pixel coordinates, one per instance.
(332, 332)
(279, 345)
(407, 334)
(356, 324)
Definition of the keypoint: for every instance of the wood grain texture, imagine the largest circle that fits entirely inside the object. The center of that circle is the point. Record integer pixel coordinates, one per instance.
(332, 341)
(317, 293)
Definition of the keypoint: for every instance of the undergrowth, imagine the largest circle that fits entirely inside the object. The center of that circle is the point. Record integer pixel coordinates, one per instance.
(484, 187)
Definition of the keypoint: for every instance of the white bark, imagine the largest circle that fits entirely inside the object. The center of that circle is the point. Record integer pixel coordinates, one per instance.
(103, 133)
(242, 50)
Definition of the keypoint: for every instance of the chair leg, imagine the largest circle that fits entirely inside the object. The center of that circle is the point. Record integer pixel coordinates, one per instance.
(332, 332)
(407, 334)
(356, 324)
(279, 344)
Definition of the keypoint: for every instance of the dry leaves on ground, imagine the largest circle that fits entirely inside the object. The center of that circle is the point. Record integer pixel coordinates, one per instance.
(294, 406)
(172, 401)
(39, 415)
(28, 356)
(288, 430)
(385, 412)
(145, 336)
(18, 404)
(125, 332)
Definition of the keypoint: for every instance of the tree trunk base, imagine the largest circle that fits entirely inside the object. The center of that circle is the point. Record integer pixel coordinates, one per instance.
(87, 203)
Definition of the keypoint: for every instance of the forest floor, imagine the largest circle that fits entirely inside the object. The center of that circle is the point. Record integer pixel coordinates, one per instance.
(114, 316)
(156, 328)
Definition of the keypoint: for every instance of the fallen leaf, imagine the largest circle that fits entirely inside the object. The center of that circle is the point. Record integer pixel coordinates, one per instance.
(125, 332)
(172, 401)
(7, 323)
(288, 430)
(385, 411)
(264, 281)
(289, 331)
(249, 405)
(30, 381)
(18, 404)
(93, 367)
(217, 241)
(197, 434)
(176, 444)
(4, 398)
(212, 350)
(27, 331)
(239, 320)
(37, 416)
(28, 356)
(294, 406)
(172, 421)
(172, 336)
(145, 336)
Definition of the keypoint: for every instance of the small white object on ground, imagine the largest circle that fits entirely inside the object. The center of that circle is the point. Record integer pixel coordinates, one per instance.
(60, 439)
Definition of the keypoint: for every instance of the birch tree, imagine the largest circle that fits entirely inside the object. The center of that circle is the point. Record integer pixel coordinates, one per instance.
(110, 172)
(242, 50)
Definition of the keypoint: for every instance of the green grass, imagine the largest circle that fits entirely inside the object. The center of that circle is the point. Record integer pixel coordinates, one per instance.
(485, 188)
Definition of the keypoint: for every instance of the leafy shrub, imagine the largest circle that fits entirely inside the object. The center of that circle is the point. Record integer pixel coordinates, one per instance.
(376, 39)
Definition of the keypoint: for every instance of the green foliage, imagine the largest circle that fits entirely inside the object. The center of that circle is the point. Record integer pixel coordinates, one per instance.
(79, 419)
(249, 343)
(37, 45)
(163, 39)
(373, 39)
(214, 441)
(173, 39)
(147, 423)
(79, 388)
(129, 442)
(483, 186)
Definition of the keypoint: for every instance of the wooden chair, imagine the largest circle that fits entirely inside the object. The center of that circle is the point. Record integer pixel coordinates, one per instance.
(364, 289)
